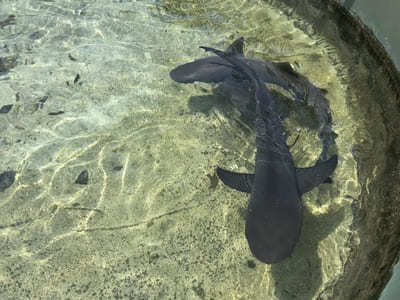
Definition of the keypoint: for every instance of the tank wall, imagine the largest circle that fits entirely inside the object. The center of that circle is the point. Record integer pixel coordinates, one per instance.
(382, 18)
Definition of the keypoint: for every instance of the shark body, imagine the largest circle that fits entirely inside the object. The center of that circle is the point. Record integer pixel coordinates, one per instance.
(274, 219)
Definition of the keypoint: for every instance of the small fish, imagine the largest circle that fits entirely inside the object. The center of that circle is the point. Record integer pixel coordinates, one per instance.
(9, 21)
(77, 77)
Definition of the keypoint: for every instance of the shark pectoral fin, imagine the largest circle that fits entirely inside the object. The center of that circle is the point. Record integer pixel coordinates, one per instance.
(238, 181)
(308, 178)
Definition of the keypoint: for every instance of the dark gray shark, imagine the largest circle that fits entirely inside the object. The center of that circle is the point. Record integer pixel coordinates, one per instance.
(274, 219)
(216, 70)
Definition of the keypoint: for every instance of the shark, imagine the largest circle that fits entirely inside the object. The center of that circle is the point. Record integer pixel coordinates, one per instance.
(274, 214)
(216, 70)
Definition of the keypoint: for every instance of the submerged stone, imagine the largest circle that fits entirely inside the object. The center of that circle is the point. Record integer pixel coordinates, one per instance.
(6, 180)
(5, 108)
(83, 178)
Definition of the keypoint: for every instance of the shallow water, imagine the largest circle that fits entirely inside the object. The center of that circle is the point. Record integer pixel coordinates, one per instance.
(152, 223)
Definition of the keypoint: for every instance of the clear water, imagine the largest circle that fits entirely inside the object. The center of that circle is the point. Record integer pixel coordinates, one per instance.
(152, 223)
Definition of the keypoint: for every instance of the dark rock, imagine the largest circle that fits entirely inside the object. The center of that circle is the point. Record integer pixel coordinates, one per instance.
(5, 108)
(6, 180)
(251, 264)
(83, 178)
(7, 63)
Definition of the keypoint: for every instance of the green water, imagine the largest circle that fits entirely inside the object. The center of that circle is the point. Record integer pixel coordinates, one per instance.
(151, 223)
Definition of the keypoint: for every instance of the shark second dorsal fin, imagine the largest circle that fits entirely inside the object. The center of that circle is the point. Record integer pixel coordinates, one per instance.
(236, 47)
(286, 67)
(238, 181)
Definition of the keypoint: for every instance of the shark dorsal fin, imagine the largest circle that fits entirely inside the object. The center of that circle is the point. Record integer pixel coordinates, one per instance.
(236, 47)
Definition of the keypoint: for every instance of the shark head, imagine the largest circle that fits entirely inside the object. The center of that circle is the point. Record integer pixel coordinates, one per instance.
(209, 69)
